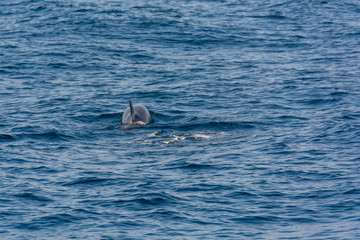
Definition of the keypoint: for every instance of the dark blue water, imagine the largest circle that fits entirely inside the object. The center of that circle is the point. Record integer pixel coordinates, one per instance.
(256, 108)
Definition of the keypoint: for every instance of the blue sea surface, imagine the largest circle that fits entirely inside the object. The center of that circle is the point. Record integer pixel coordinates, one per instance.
(255, 107)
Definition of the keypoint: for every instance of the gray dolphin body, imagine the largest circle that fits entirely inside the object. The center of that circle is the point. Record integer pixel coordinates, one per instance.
(137, 114)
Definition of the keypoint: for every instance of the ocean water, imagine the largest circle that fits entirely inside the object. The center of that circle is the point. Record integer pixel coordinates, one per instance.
(256, 119)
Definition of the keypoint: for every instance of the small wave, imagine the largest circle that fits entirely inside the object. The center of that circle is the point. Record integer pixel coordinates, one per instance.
(33, 197)
(48, 221)
(256, 219)
(352, 191)
(241, 194)
(151, 201)
(158, 198)
(141, 56)
(51, 135)
(143, 200)
(318, 101)
(58, 65)
(291, 117)
(6, 137)
(87, 181)
(271, 17)
(86, 118)
(108, 115)
(194, 166)
(339, 93)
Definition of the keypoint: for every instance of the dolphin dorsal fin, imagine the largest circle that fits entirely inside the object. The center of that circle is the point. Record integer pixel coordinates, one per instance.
(132, 113)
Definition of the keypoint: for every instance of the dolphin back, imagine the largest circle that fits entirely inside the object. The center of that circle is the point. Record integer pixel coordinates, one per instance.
(136, 114)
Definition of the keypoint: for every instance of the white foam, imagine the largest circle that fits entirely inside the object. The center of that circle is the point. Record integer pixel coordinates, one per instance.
(203, 136)
(154, 134)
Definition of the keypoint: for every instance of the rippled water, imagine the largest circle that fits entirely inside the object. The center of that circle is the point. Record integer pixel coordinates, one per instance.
(256, 109)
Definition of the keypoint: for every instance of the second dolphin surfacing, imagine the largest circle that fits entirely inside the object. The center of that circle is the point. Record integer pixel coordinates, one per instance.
(137, 114)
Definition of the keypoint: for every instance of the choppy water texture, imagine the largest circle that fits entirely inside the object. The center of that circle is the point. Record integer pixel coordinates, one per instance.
(256, 109)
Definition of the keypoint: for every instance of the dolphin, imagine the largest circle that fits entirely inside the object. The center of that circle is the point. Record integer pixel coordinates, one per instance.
(137, 114)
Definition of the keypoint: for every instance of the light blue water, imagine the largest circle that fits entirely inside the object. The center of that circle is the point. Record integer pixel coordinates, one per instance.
(256, 108)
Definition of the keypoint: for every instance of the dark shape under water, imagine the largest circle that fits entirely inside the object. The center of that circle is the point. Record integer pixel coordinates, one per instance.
(137, 114)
